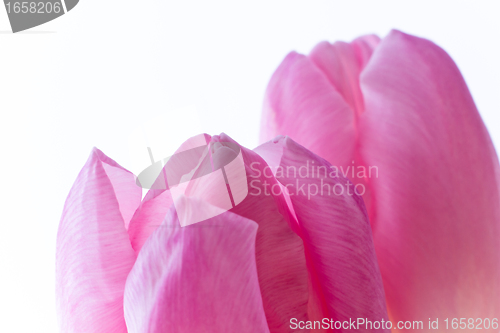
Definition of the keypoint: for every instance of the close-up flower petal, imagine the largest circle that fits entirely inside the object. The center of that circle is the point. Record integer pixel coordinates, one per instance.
(337, 237)
(94, 254)
(199, 278)
(434, 197)
(437, 200)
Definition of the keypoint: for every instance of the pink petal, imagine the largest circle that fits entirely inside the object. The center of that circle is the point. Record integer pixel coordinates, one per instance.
(436, 207)
(364, 47)
(199, 278)
(345, 278)
(280, 257)
(94, 255)
(148, 217)
(302, 103)
(342, 63)
(126, 191)
(158, 200)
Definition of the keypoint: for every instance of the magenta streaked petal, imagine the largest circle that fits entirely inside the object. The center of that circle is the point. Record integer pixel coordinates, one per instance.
(302, 103)
(198, 278)
(341, 66)
(344, 275)
(126, 191)
(158, 200)
(280, 257)
(148, 217)
(94, 254)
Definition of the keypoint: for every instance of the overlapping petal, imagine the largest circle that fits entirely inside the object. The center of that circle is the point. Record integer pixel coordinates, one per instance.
(301, 100)
(333, 224)
(148, 217)
(158, 200)
(94, 254)
(280, 257)
(342, 63)
(279, 252)
(434, 204)
(199, 278)
(229, 276)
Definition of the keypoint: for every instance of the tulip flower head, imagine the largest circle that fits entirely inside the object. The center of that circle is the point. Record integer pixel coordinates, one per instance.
(400, 104)
(278, 258)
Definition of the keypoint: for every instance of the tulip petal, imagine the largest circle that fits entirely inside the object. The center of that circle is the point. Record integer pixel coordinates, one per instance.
(126, 191)
(198, 278)
(158, 199)
(281, 263)
(342, 63)
(148, 217)
(336, 234)
(364, 47)
(302, 103)
(94, 255)
(436, 206)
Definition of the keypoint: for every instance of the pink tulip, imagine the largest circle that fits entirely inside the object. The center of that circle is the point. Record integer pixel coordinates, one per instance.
(275, 260)
(400, 105)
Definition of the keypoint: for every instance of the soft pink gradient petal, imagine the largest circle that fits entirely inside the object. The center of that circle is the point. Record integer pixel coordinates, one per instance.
(94, 255)
(437, 204)
(148, 217)
(337, 237)
(199, 278)
(301, 102)
(158, 200)
(126, 191)
(342, 63)
(364, 47)
(280, 257)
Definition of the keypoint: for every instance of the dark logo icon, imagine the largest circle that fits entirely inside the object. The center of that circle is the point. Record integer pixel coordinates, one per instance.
(28, 14)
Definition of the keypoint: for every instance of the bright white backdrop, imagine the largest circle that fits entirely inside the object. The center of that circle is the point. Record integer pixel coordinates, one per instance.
(95, 75)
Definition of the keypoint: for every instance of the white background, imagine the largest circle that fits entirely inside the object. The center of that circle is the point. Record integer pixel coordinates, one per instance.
(95, 75)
